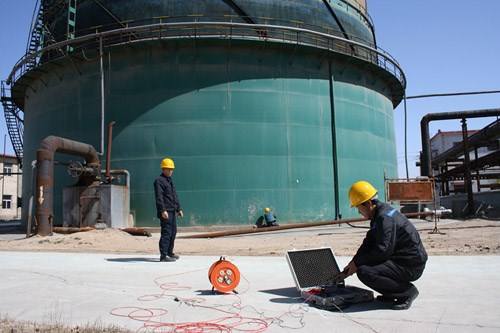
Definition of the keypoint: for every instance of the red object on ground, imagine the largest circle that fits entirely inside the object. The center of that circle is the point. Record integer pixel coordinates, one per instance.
(224, 276)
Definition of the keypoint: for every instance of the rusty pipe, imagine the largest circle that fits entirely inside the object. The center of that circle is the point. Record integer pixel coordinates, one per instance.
(243, 231)
(71, 230)
(108, 150)
(134, 231)
(45, 175)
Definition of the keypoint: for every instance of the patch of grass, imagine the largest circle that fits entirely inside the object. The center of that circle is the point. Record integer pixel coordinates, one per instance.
(14, 326)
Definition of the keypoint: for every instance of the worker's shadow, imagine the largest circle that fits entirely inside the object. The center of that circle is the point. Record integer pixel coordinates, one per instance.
(291, 295)
(367, 306)
(139, 259)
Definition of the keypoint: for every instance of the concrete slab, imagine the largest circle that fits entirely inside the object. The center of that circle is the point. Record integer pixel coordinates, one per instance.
(457, 294)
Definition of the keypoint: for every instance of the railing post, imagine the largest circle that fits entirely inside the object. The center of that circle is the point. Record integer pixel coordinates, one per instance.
(159, 30)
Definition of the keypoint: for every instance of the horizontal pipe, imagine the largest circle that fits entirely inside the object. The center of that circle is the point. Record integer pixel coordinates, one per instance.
(136, 231)
(253, 230)
(489, 161)
(426, 166)
(455, 94)
(71, 230)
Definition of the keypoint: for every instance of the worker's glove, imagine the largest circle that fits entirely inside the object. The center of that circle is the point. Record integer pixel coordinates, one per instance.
(180, 213)
(164, 215)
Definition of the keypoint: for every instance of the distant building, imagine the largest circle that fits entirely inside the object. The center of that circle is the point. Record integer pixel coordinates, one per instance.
(10, 187)
(444, 140)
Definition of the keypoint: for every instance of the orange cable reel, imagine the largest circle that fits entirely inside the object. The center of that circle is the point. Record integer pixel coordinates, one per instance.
(224, 276)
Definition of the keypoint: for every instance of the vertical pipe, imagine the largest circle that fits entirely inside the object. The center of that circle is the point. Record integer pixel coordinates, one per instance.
(108, 151)
(477, 172)
(44, 188)
(3, 166)
(17, 192)
(425, 161)
(334, 144)
(406, 138)
(447, 180)
(467, 174)
(29, 225)
(101, 69)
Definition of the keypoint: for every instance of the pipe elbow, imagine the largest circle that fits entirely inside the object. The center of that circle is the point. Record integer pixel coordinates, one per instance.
(49, 143)
(425, 119)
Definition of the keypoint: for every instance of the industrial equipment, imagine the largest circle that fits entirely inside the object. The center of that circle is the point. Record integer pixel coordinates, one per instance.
(93, 201)
(257, 101)
(316, 275)
(224, 276)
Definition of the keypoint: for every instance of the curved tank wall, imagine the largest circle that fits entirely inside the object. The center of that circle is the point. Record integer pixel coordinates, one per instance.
(311, 14)
(248, 125)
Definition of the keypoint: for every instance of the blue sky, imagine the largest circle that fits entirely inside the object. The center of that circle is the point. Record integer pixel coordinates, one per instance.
(443, 46)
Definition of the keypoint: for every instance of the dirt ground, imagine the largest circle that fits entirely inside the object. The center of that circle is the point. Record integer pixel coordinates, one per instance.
(470, 237)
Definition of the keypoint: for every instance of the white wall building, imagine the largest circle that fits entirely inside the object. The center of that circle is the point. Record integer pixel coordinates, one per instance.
(10, 188)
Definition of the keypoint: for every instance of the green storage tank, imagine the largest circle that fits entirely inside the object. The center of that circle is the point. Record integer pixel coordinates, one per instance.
(280, 104)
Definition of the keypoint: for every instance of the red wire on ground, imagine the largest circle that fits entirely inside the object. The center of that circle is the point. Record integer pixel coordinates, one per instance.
(231, 321)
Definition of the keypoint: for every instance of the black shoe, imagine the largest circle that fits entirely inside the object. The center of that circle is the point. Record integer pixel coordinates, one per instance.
(174, 256)
(166, 259)
(386, 298)
(404, 303)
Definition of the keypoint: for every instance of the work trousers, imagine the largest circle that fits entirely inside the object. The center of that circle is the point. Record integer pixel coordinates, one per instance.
(389, 278)
(168, 233)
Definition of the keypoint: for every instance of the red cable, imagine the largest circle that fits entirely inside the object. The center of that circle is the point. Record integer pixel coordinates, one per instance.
(233, 321)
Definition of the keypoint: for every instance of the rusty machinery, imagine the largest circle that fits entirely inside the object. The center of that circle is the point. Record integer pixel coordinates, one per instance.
(108, 200)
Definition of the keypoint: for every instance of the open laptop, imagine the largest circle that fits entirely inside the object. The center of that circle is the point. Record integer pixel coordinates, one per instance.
(315, 272)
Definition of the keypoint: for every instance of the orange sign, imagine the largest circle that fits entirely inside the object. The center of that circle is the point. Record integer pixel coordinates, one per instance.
(410, 191)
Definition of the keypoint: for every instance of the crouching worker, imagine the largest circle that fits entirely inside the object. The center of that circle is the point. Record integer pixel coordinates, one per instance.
(267, 220)
(391, 255)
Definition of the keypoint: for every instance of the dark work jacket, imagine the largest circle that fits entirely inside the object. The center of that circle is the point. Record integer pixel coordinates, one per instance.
(165, 195)
(391, 237)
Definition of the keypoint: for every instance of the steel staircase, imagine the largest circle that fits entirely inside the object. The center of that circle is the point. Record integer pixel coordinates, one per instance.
(36, 39)
(14, 121)
(14, 116)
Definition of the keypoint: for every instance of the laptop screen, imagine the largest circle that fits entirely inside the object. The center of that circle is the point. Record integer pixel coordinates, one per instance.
(313, 267)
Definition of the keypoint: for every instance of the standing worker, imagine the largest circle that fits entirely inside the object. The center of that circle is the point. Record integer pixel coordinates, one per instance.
(391, 255)
(167, 207)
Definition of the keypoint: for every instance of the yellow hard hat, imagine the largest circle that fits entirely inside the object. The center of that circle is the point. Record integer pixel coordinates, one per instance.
(360, 192)
(267, 210)
(167, 163)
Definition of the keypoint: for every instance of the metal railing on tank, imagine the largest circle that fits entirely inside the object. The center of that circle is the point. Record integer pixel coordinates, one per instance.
(212, 18)
(133, 32)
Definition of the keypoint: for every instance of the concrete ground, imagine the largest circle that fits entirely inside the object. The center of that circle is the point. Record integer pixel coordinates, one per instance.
(457, 294)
